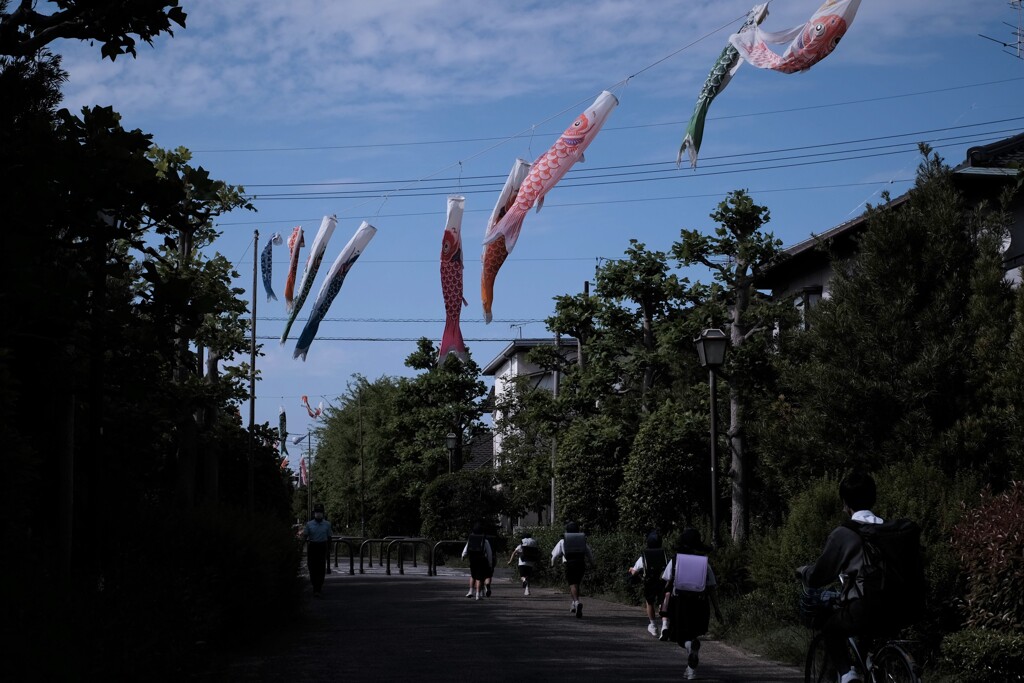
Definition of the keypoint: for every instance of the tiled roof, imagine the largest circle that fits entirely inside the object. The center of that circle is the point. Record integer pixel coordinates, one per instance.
(480, 453)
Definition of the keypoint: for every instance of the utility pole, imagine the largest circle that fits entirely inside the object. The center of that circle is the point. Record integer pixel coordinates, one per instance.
(554, 439)
(251, 487)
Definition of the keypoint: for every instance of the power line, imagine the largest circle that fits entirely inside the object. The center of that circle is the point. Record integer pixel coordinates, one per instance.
(510, 321)
(393, 339)
(413, 214)
(665, 169)
(663, 175)
(416, 143)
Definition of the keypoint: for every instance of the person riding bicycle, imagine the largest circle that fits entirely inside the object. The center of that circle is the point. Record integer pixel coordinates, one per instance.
(843, 554)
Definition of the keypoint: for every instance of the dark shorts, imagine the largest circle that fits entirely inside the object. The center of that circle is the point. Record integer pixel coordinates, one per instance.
(479, 567)
(525, 571)
(654, 592)
(574, 571)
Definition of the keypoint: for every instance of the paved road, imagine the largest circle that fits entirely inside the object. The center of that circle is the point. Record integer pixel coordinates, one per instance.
(381, 628)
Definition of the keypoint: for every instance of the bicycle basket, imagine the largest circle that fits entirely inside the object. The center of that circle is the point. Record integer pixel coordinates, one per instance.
(815, 604)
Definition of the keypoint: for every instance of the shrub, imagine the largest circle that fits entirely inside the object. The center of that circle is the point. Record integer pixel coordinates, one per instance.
(989, 541)
(194, 581)
(983, 656)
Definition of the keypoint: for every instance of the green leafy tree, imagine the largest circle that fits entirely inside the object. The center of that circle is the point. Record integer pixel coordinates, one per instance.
(526, 422)
(665, 481)
(592, 452)
(736, 254)
(399, 427)
(453, 503)
(905, 359)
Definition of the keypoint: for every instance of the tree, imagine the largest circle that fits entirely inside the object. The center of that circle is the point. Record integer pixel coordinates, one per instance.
(736, 255)
(398, 425)
(526, 422)
(112, 23)
(907, 357)
(665, 479)
(452, 503)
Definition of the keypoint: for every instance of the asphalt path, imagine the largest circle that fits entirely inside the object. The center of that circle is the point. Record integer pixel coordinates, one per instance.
(414, 627)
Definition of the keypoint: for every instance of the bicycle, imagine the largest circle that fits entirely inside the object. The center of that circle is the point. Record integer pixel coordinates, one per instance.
(881, 660)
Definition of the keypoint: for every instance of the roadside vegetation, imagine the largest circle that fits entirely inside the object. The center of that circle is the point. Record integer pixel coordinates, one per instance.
(149, 526)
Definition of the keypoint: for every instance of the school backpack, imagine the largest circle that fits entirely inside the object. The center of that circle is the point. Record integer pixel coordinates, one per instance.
(574, 547)
(687, 605)
(530, 552)
(691, 574)
(893, 573)
(475, 545)
(655, 561)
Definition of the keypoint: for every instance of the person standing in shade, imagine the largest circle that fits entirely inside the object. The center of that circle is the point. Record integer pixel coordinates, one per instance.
(529, 555)
(575, 553)
(481, 559)
(317, 533)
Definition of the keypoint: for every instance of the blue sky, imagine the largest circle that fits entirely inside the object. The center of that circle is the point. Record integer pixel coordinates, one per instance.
(298, 100)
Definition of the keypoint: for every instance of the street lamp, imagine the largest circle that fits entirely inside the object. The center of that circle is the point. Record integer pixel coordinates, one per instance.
(711, 346)
(450, 442)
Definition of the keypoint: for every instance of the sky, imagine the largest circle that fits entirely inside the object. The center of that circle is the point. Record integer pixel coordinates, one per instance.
(379, 110)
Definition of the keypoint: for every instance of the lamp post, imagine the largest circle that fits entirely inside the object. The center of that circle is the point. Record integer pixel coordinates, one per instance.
(450, 442)
(711, 346)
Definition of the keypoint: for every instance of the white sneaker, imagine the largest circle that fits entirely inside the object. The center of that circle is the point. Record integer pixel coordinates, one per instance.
(664, 634)
(572, 610)
(851, 676)
(469, 594)
(691, 673)
(526, 591)
(652, 629)
(478, 596)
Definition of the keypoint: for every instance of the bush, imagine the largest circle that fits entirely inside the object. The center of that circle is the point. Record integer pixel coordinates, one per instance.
(983, 656)
(989, 541)
(193, 582)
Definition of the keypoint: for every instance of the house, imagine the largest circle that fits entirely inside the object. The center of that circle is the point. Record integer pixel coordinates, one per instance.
(506, 367)
(806, 273)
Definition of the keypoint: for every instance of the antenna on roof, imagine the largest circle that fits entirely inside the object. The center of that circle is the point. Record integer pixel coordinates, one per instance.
(1016, 48)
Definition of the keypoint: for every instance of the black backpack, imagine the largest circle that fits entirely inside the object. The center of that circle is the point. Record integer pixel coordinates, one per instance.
(475, 545)
(530, 553)
(893, 573)
(655, 561)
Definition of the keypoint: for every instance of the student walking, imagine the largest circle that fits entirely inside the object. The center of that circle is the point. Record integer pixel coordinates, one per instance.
(317, 533)
(481, 559)
(649, 568)
(575, 553)
(529, 555)
(692, 585)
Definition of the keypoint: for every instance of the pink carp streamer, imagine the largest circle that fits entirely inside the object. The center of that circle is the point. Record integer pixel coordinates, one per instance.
(549, 168)
(451, 282)
(808, 44)
(295, 244)
(313, 412)
(495, 253)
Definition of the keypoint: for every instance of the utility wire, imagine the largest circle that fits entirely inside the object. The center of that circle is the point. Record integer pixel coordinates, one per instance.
(669, 165)
(588, 181)
(607, 129)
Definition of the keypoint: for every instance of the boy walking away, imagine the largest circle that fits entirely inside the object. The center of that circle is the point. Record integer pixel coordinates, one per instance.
(575, 553)
(529, 555)
(649, 568)
(692, 584)
(478, 550)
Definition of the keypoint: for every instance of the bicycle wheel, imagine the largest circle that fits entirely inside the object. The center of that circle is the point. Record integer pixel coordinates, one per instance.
(893, 664)
(819, 667)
